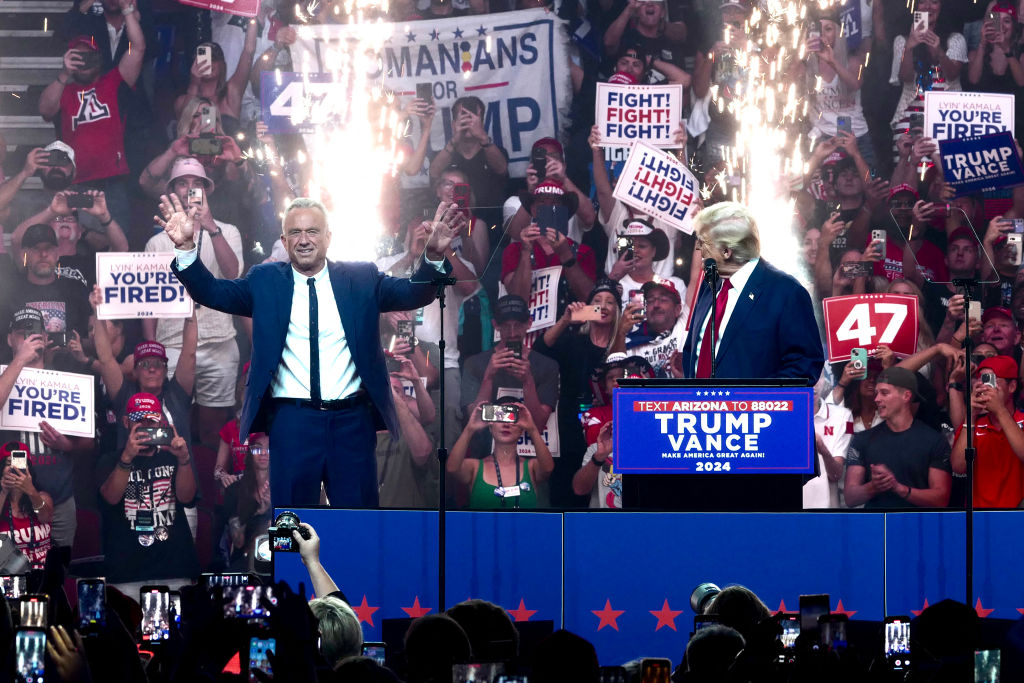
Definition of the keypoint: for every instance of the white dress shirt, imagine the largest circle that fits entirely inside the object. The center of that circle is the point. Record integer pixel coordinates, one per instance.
(738, 281)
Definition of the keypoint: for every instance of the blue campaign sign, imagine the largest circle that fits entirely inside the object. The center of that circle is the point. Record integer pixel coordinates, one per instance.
(297, 102)
(748, 430)
(981, 163)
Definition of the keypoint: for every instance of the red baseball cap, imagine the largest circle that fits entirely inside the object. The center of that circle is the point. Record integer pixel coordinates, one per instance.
(150, 349)
(144, 407)
(963, 233)
(1004, 366)
(664, 284)
(993, 311)
(903, 187)
(10, 447)
(87, 42)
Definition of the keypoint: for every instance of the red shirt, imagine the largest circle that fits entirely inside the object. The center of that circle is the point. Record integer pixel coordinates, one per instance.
(998, 473)
(229, 435)
(92, 123)
(33, 540)
(584, 256)
(931, 262)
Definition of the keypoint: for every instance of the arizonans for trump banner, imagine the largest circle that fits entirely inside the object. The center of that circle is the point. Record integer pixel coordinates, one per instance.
(517, 63)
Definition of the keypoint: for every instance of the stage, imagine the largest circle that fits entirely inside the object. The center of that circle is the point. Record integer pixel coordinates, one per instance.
(623, 580)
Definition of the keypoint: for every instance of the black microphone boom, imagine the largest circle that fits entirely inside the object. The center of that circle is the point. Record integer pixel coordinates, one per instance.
(710, 267)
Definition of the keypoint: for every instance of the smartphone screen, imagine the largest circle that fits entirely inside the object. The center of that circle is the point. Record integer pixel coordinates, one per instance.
(424, 92)
(790, 632)
(175, 604)
(897, 642)
(375, 651)
(258, 649)
(33, 611)
(812, 607)
(211, 580)
(987, 666)
(155, 602)
(30, 651)
(833, 631)
(13, 586)
(246, 602)
(655, 670)
(92, 603)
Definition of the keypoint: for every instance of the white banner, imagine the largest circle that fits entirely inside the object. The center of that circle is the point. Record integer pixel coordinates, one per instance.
(543, 298)
(517, 63)
(952, 115)
(658, 185)
(631, 113)
(62, 399)
(140, 285)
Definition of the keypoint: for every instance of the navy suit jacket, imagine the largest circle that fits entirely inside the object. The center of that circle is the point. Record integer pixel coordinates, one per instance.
(771, 332)
(265, 295)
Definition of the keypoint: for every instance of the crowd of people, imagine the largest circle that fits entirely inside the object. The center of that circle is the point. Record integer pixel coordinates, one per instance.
(181, 468)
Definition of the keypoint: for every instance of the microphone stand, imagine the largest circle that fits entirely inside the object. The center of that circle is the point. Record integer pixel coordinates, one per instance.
(441, 282)
(711, 273)
(965, 285)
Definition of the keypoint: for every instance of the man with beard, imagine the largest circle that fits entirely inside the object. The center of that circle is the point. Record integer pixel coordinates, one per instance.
(55, 164)
(85, 102)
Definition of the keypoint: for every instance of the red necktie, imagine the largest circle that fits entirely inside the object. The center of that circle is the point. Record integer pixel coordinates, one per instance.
(704, 361)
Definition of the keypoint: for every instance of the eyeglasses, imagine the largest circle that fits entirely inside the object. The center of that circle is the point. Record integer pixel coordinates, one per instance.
(901, 205)
(977, 358)
(151, 364)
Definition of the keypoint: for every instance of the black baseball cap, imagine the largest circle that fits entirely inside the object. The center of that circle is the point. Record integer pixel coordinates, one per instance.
(27, 319)
(511, 307)
(37, 234)
(902, 378)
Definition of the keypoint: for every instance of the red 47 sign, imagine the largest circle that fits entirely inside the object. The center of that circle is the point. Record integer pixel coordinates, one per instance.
(867, 320)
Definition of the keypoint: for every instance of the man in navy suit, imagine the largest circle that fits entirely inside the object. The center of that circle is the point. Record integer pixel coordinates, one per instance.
(317, 381)
(766, 325)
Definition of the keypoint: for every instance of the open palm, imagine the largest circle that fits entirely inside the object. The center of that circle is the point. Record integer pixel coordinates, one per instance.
(178, 222)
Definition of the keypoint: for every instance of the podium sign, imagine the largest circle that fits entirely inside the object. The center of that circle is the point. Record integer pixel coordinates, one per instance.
(714, 430)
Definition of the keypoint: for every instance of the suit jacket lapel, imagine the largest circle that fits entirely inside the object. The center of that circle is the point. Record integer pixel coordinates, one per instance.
(697, 323)
(284, 309)
(341, 283)
(744, 307)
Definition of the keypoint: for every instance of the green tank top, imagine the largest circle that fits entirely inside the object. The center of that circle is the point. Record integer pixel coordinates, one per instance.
(481, 495)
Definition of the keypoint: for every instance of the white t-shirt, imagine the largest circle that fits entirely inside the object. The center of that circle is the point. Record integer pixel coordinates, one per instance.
(834, 424)
(607, 492)
(430, 329)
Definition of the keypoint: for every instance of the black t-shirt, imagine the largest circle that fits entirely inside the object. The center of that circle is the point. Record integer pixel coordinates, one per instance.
(64, 304)
(908, 454)
(151, 487)
(176, 403)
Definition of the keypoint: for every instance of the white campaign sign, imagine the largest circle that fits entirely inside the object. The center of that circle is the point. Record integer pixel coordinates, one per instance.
(638, 113)
(140, 285)
(63, 399)
(658, 185)
(543, 298)
(952, 115)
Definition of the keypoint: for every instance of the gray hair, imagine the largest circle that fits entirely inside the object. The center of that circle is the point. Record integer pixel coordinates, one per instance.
(304, 203)
(730, 225)
(340, 633)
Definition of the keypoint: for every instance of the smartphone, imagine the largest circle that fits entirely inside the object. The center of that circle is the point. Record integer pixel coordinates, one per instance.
(79, 200)
(158, 436)
(654, 670)
(92, 604)
(988, 378)
(19, 460)
(425, 92)
(57, 157)
(13, 585)
(636, 296)
(155, 602)
(1018, 225)
(844, 124)
(247, 602)
(1013, 248)
(512, 679)
(859, 359)
(987, 666)
(613, 674)
(516, 347)
(896, 642)
(624, 247)
(879, 236)
(204, 57)
(499, 412)
(790, 624)
(90, 59)
(175, 604)
(375, 651)
(33, 610)
(814, 34)
(206, 146)
(58, 339)
(258, 649)
(477, 671)
(552, 216)
(460, 195)
(539, 163)
(812, 607)
(586, 314)
(195, 196)
(916, 123)
(974, 310)
(833, 631)
(852, 269)
(703, 621)
(30, 653)
(230, 579)
(392, 363)
(920, 21)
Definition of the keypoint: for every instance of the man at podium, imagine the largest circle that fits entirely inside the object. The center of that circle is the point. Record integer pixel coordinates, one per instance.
(765, 320)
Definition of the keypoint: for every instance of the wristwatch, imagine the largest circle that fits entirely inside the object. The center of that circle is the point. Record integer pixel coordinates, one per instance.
(128, 10)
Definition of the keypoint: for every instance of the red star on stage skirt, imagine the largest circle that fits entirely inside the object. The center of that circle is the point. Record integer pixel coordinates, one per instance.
(839, 610)
(608, 615)
(416, 611)
(521, 613)
(982, 612)
(364, 612)
(917, 612)
(666, 616)
(782, 608)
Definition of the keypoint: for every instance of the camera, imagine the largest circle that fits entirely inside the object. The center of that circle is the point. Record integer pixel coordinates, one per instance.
(207, 144)
(280, 534)
(158, 436)
(702, 596)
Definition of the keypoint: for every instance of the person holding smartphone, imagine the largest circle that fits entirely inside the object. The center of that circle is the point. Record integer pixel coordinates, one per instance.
(25, 512)
(247, 505)
(995, 65)
(505, 479)
(146, 538)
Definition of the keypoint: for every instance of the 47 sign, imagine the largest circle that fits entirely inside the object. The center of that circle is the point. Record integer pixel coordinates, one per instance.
(868, 320)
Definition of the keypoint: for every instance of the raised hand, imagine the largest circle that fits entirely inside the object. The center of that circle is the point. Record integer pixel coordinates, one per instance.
(178, 224)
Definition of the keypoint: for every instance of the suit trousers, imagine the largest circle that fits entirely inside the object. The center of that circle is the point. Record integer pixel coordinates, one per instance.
(308, 446)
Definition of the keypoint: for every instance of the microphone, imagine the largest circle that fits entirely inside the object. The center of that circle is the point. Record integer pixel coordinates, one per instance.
(710, 268)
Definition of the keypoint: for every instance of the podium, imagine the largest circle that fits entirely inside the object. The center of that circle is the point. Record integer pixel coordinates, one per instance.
(714, 445)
